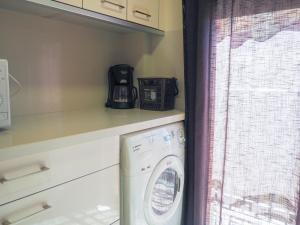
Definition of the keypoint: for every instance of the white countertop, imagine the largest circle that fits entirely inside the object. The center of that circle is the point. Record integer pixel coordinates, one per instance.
(53, 130)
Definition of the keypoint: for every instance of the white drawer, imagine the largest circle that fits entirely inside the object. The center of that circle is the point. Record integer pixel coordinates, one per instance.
(145, 12)
(27, 175)
(77, 3)
(93, 199)
(115, 8)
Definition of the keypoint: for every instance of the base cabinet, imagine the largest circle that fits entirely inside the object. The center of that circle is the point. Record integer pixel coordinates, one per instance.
(23, 176)
(93, 199)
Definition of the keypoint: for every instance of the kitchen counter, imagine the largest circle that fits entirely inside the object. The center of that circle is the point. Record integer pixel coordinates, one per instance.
(43, 132)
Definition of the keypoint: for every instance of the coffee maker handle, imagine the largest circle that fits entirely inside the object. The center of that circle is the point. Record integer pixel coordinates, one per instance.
(176, 92)
(134, 94)
(109, 96)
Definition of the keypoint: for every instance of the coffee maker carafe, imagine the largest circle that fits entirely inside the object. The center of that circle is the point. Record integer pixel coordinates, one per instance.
(121, 94)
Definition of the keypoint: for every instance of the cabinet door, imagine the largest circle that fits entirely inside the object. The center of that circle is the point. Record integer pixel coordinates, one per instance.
(27, 175)
(93, 199)
(115, 8)
(143, 12)
(77, 3)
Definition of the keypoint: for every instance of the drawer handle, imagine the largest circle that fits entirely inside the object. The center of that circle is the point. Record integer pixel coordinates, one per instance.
(24, 172)
(25, 214)
(112, 3)
(142, 13)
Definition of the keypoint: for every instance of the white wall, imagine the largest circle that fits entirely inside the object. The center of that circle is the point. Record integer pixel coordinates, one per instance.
(63, 66)
(157, 55)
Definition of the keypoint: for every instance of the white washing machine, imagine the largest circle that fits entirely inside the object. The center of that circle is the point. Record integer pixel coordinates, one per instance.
(152, 176)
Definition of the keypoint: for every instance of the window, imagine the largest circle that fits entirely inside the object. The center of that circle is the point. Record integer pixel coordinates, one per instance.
(255, 146)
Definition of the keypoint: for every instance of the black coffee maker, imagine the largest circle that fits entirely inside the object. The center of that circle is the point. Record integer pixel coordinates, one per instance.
(121, 93)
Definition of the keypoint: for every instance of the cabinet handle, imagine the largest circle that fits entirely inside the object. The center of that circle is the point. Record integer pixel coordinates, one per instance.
(25, 214)
(142, 13)
(24, 172)
(112, 3)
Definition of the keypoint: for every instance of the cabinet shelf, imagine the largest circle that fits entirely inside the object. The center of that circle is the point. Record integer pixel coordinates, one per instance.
(64, 12)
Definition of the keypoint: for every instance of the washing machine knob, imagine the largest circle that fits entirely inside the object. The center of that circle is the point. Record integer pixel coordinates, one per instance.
(180, 136)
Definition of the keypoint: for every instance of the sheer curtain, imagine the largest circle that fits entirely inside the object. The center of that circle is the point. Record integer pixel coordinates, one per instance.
(254, 171)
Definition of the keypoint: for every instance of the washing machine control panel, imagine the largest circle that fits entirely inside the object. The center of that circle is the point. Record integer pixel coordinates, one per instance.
(144, 150)
(175, 136)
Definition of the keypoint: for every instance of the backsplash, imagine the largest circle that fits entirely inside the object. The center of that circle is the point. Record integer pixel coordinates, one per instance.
(62, 66)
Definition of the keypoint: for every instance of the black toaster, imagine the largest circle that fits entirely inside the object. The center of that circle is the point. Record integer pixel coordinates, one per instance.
(157, 94)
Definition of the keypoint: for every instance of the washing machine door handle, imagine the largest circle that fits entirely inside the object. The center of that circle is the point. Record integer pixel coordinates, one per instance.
(177, 187)
(178, 184)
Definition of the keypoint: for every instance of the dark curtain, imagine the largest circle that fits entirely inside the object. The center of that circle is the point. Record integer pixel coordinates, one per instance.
(242, 111)
(197, 32)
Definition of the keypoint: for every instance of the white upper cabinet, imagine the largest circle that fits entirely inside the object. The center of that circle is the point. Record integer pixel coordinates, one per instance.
(143, 12)
(134, 15)
(77, 3)
(114, 8)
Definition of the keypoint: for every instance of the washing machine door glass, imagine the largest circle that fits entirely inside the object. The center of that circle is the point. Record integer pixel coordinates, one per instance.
(164, 191)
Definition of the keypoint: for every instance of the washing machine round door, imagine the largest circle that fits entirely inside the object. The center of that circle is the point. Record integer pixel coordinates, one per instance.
(164, 191)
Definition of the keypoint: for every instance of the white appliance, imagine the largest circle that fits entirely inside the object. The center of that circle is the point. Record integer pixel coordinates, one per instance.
(5, 120)
(152, 176)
